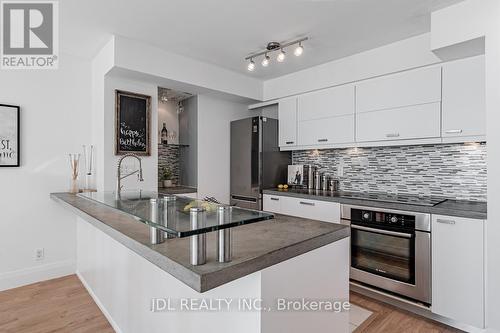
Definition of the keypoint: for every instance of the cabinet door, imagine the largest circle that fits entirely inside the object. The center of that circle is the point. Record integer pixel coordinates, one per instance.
(272, 203)
(464, 95)
(418, 86)
(334, 130)
(287, 117)
(458, 269)
(413, 122)
(311, 209)
(326, 103)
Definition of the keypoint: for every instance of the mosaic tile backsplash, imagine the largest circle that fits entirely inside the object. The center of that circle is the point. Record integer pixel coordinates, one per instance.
(168, 157)
(451, 170)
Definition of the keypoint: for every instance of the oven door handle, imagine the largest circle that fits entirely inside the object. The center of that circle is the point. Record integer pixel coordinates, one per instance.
(383, 232)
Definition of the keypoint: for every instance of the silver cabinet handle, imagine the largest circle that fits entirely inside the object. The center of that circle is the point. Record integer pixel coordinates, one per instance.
(453, 131)
(289, 142)
(322, 140)
(275, 199)
(392, 135)
(307, 203)
(445, 221)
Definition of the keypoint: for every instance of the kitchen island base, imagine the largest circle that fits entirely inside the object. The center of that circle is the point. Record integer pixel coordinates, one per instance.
(137, 296)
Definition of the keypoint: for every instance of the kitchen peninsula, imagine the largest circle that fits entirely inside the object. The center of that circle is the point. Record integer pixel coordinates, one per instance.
(278, 259)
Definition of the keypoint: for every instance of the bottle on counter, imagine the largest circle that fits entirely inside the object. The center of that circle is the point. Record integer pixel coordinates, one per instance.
(164, 134)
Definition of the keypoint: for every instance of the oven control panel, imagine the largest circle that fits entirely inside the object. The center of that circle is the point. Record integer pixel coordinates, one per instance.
(382, 218)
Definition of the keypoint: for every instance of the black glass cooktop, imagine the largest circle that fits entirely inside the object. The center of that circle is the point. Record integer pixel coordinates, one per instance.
(416, 200)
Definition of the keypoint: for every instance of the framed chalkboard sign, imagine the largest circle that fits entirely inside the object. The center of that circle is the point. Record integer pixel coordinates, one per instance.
(9, 136)
(132, 127)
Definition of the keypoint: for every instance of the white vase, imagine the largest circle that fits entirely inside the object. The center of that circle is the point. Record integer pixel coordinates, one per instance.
(167, 183)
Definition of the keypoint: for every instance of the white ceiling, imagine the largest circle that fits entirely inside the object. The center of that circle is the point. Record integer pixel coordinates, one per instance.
(223, 32)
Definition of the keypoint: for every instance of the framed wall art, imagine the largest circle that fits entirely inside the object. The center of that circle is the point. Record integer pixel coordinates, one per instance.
(132, 124)
(10, 135)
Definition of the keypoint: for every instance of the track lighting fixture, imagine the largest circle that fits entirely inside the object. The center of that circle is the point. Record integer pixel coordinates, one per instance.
(272, 47)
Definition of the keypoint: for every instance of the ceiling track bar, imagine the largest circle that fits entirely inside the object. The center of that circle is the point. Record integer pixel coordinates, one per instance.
(254, 55)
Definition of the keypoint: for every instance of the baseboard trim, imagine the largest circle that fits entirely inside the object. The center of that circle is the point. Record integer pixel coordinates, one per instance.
(99, 304)
(26, 276)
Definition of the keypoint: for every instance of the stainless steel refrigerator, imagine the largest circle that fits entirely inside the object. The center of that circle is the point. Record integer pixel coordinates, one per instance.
(256, 161)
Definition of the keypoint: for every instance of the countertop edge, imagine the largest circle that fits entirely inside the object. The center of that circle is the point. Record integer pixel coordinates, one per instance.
(397, 206)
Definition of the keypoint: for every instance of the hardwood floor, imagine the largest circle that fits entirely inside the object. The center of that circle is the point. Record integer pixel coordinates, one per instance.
(63, 305)
(59, 305)
(388, 319)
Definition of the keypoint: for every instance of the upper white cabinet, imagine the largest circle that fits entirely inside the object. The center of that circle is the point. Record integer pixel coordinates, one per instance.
(326, 117)
(327, 131)
(415, 87)
(287, 115)
(464, 94)
(404, 106)
(326, 103)
(458, 269)
(411, 122)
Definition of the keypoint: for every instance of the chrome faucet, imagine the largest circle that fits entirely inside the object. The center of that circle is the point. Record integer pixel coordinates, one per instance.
(119, 176)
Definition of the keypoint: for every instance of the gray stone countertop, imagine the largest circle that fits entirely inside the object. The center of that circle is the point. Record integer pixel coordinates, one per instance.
(177, 190)
(255, 246)
(457, 208)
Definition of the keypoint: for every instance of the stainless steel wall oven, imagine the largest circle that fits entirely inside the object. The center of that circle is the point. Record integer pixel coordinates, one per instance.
(391, 250)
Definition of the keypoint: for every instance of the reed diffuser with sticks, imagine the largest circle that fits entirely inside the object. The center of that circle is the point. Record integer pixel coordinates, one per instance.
(74, 161)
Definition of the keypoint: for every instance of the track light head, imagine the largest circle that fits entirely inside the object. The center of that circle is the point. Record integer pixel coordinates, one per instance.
(266, 60)
(251, 65)
(299, 50)
(281, 56)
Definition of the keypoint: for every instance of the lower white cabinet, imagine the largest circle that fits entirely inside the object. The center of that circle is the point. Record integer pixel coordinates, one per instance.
(458, 268)
(272, 203)
(306, 208)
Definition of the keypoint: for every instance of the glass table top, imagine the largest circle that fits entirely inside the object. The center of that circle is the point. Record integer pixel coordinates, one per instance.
(175, 214)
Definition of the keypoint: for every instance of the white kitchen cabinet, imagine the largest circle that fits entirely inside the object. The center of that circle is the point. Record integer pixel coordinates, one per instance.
(464, 98)
(326, 103)
(413, 122)
(326, 117)
(458, 279)
(326, 131)
(419, 86)
(306, 208)
(271, 203)
(287, 116)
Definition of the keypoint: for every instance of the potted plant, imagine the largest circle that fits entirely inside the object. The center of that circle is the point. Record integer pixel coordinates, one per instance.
(167, 177)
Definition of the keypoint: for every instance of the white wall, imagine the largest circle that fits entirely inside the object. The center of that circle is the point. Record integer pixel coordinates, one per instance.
(55, 121)
(149, 163)
(406, 54)
(167, 113)
(214, 117)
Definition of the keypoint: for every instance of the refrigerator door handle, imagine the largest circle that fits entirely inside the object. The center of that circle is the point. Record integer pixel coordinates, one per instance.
(244, 198)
